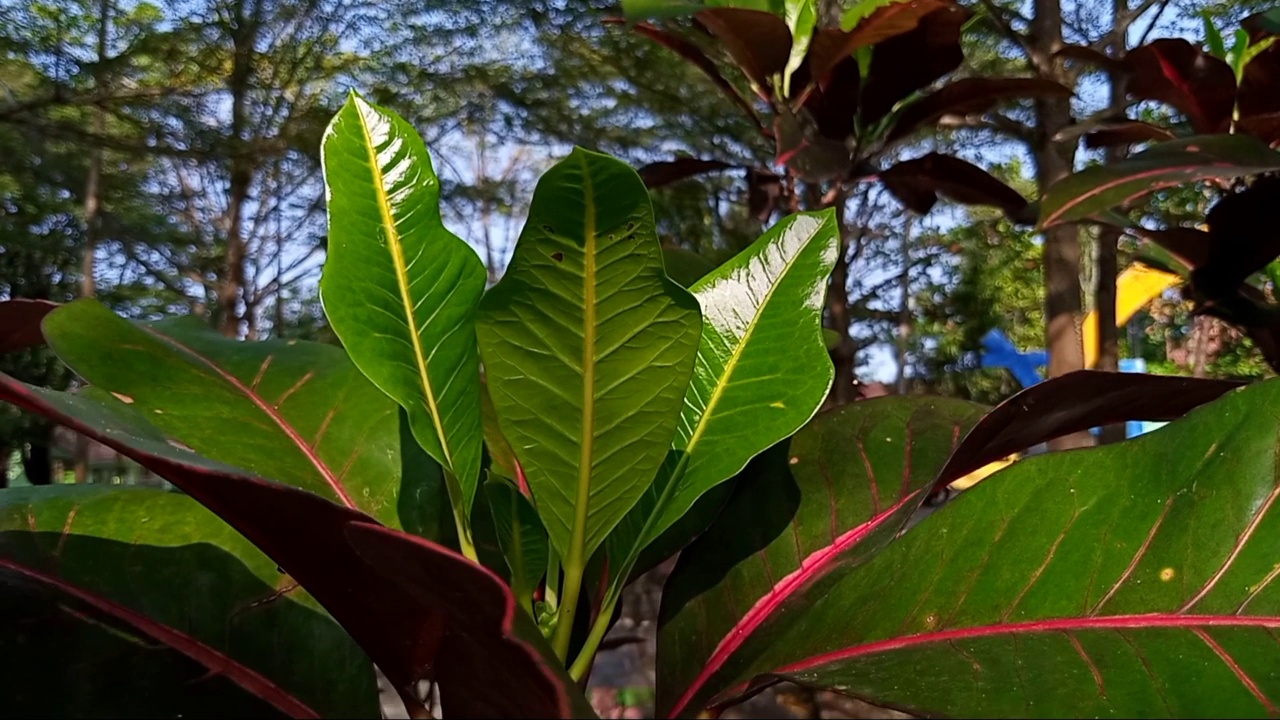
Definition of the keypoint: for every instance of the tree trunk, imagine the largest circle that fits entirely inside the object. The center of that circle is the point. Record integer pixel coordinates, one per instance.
(905, 321)
(93, 204)
(1054, 160)
(231, 285)
(845, 353)
(1109, 238)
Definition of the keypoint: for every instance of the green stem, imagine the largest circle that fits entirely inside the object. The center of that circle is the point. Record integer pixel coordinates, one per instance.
(601, 626)
(460, 521)
(587, 655)
(465, 543)
(568, 605)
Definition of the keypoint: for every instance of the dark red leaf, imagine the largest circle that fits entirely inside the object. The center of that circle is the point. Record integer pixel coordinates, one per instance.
(1262, 25)
(888, 22)
(698, 59)
(833, 104)
(1175, 72)
(1242, 238)
(306, 535)
(758, 41)
(657, 174)
(1091, 57)
(763, 192)
(808, 154)
(1071, 403)
(472, 598)
(20, 323)
(1265, 127)
(1094, 190)
(1188, 245)
(1127, 132)
(66, 598)
(969, 96)
(919, 182)
(906, 63)
(1258, 98)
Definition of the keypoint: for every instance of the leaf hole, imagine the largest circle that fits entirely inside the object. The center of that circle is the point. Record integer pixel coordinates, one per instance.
(548, 230)
(123, 398)
(557, 256)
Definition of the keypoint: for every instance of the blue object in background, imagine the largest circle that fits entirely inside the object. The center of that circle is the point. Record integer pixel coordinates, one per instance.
(1134, 428)
(1000, 352)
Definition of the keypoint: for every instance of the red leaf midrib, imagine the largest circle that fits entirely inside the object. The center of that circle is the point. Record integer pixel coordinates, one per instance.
(214, 660)
(783, 589)
(285, 426)
(1057, 625)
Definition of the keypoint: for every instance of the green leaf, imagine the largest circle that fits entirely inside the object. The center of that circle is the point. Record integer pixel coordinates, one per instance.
(1168, 164)
(401, 290)
(502, 459)
(658, 9)
(401, 624)
(140, 602)
(801, 17)
(763, 368)
(1213, 38)
(1133, 579)
(685, 266)
(1238, 50)
(856, 476)
(522, 537)
(652, 9)
(588, 347)
(296, 412)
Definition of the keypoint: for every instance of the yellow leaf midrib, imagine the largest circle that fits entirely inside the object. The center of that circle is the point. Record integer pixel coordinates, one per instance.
(734, 357)
(587, 446)
(396, 248)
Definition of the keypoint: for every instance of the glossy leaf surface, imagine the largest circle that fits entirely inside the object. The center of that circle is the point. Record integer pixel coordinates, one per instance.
(1104, 187)
(588, 348)
(140, 602)
(296, 412)
(401, 290)
(1130, 580)
(401, 629)
(856, 476)
(763, 368)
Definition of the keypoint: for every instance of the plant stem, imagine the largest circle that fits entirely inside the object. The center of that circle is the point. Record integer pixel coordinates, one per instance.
(573, 569)
(460, 521)
(587, 655)
(465, 543)
(601, 626)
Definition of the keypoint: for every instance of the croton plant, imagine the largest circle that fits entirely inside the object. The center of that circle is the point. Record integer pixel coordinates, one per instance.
(841, 101)
(1221, 139)
(459, 494)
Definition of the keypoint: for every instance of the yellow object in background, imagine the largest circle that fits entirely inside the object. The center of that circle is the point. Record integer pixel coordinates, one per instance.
(981, 473)
(1136, 286)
